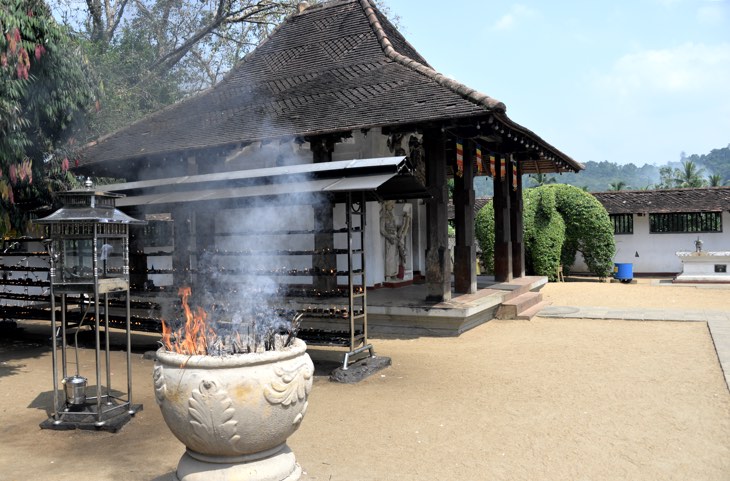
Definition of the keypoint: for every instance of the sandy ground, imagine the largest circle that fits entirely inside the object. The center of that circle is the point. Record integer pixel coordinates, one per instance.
(547, 399)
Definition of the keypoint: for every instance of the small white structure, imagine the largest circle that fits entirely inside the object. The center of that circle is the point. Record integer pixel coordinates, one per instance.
(703, 266)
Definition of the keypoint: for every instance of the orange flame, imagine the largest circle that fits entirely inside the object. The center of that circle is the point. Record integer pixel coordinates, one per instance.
(191, 338)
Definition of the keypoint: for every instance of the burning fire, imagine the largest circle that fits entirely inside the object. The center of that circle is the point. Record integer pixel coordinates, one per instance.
(196, 336)
(191, 337)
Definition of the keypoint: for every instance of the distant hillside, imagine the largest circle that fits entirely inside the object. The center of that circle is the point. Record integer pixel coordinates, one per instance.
(599, 176)
(716, 162)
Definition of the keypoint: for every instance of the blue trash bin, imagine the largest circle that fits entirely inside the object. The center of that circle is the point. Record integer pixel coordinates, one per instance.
(623, 271)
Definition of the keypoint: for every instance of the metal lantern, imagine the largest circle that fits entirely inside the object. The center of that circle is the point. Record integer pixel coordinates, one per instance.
(89, 249)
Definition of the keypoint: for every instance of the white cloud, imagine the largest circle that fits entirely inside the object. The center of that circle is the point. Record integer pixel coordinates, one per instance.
(516, 14)
(685, 70)
(713, 13)
(668, 3)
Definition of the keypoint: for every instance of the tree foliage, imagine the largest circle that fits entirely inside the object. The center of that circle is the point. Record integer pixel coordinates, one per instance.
(151, 53)
(544, 233)
(716, 162)
(714, 180)
(45, 88)
(688, 174)
(588, 230)
(536, 180)
(559, 221)
(598, 176)
(616, 186)
(704, 170)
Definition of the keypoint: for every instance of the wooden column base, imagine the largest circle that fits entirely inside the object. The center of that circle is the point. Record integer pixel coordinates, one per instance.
(439, 285)
(503, 262)
(518, 259)
(465, 278)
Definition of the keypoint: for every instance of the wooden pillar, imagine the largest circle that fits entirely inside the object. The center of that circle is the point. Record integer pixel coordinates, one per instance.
(502, 229)
(184, 235)
(465, 252)
(438, 261)
(204, 229)
(323, 211)
(137, 258)
(516, 224)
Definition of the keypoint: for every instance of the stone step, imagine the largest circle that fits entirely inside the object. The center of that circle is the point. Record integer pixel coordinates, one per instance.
(520, 285)
(511, 308)
(528, 314)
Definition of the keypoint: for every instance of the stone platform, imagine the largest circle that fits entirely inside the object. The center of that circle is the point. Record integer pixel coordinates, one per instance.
(704, 267)
(404, 311)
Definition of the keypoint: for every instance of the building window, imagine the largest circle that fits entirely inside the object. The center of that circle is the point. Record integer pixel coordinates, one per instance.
(688, 222)
(622, 223)
(158, 233)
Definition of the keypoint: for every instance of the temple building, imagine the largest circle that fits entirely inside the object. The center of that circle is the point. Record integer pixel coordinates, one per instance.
(335, 115)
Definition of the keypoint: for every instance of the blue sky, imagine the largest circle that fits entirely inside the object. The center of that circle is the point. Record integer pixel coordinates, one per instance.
(624, 80)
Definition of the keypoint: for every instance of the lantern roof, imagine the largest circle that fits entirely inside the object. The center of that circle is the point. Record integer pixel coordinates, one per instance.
(89, 205)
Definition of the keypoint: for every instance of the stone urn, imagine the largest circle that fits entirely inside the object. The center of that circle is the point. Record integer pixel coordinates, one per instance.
(234, 413)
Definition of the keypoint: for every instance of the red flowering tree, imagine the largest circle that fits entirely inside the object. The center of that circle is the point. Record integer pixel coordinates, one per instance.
(45, 89)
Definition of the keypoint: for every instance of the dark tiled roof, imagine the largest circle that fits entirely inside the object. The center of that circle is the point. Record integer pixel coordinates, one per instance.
(710, 199)
(334, 67)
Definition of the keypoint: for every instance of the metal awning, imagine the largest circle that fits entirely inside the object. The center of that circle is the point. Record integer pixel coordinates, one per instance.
(384, 178)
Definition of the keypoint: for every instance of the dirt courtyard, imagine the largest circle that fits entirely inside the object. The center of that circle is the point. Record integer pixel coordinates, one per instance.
(547, 399)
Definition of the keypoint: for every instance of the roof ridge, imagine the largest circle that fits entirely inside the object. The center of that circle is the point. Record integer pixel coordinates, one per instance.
(672, 189)
(459, 88)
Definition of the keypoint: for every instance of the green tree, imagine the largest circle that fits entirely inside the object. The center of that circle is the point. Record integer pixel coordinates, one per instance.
(559, 221)
(666, 178)
(717, 161)
(618, 185)
(45, 90)
(127, 95)
(537, 180)
(151, 53)
(714, 180)
(689, 175)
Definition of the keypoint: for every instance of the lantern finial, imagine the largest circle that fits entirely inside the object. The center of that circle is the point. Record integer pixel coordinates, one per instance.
(89, 184)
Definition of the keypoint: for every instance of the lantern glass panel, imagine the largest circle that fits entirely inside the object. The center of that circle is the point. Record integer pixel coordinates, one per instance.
(111, 255)
(79, 256)
(76, 259)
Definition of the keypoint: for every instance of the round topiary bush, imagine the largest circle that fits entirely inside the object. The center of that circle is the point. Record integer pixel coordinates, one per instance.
(559, 221)
(544, 233)
(588, 229)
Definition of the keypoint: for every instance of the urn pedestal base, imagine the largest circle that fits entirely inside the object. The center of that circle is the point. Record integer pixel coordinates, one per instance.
(278, 466)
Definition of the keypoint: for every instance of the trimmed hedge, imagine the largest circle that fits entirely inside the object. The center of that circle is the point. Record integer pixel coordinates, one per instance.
(559, 221)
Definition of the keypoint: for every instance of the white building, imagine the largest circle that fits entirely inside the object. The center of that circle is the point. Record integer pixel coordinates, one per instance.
(650, 226)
